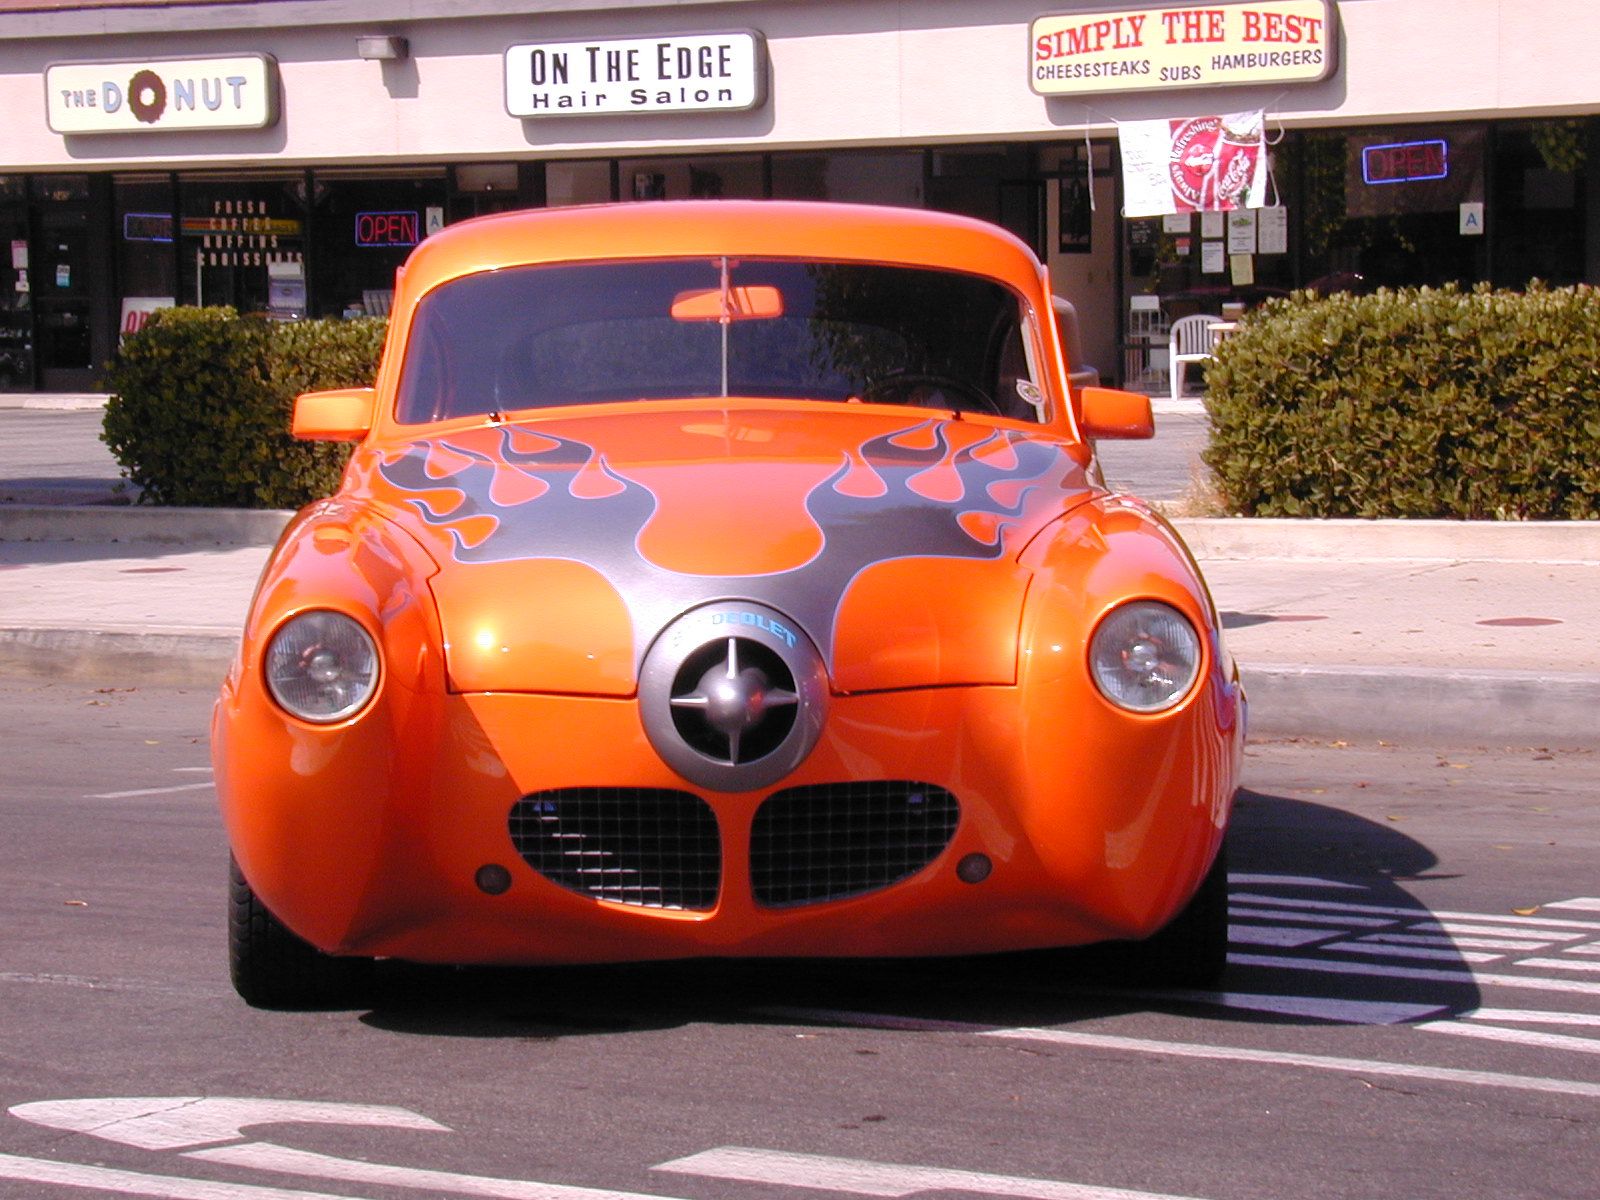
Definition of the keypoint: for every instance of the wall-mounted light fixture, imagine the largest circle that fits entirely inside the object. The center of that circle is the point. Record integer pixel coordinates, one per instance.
(380, 48)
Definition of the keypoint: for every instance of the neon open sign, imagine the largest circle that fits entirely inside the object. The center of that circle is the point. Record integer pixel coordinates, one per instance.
(387, 229)
(1406, 162)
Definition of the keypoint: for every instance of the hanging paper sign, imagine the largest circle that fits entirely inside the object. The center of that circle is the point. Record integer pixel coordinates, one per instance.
(1197, 164)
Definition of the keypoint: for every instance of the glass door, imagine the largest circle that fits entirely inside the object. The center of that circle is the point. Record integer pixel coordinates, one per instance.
(61, 282)
(16, 288)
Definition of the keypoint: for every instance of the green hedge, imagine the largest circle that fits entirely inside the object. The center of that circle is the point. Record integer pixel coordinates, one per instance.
(1417, 403)
(201, 400)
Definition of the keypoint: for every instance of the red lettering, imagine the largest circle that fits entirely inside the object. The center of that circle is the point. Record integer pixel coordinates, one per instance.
(1281, 28)
(1092, 37)
(1186, 25)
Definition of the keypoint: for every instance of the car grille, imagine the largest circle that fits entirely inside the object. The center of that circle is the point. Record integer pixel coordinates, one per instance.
(811, 844)
(651, 847)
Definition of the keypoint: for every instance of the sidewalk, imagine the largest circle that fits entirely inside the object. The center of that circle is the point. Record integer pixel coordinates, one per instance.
(1455, 632)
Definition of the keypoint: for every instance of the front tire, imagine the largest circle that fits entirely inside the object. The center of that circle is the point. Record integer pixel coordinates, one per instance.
(273, 968)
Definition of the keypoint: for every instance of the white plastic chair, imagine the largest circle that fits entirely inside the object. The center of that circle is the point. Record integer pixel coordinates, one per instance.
(1191, 340)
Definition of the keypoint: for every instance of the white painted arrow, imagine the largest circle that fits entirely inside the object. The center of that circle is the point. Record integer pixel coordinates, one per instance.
(178, 1122)
(863, 1178)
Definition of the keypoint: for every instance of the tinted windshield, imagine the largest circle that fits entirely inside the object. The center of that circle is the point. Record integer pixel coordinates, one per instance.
(534, 337)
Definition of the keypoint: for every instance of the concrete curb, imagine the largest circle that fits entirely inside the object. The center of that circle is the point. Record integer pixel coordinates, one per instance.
(139, 523)
(1568, 542)
(51, 401)
(1500, 708)
(124, 658)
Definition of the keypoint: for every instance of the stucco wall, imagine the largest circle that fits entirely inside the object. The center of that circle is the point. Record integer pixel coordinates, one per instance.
(842, 72)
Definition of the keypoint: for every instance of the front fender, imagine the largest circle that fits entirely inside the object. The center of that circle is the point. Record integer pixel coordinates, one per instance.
(290, 790)
(1157, 788)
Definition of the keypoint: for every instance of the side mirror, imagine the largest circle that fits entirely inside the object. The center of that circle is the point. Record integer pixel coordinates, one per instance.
(1109, 413)
(341, 415)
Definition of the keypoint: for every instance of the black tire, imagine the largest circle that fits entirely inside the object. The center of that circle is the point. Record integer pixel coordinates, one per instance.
(272, 968)
(1192, 949)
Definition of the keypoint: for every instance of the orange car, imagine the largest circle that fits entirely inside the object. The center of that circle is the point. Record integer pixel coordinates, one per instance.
(723, 579)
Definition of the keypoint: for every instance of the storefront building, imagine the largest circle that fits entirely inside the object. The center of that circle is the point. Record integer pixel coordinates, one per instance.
(283, 156)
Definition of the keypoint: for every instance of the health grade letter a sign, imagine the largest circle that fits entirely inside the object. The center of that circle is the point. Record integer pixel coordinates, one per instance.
(708, 72)
(1179, 46)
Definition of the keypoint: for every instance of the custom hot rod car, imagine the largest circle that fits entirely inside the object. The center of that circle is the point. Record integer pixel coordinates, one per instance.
(723, 579)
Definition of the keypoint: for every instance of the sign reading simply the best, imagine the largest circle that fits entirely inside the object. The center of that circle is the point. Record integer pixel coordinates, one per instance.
(698, 73)
(1216, 45)
(171, 94)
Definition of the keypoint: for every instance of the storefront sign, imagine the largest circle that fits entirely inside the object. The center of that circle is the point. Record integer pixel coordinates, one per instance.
(724, 72)
(1216, 45)
(387, 229)
(162, 95)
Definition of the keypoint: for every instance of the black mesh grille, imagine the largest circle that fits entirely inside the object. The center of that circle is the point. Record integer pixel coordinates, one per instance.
(833, 840)
(645, 846)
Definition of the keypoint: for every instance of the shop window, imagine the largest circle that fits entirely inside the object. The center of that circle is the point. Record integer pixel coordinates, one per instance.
(142, 231)
(724, 178)
(363, 226)
(242, 242)
(1395, 206)
(893, 177)
(1536, 202)
(586, 182)
(485, 188)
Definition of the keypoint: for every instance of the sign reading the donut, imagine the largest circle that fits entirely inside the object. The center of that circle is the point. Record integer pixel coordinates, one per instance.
(162, 95)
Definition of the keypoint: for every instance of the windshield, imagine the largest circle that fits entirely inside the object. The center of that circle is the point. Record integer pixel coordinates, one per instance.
(589, 333)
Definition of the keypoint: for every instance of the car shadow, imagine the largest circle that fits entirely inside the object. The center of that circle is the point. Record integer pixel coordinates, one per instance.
(1316, 895)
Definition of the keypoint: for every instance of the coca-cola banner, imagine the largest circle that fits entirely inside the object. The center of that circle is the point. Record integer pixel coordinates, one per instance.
(1194, 164)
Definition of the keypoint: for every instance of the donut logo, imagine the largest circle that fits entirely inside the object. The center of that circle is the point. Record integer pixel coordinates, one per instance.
(147, 97)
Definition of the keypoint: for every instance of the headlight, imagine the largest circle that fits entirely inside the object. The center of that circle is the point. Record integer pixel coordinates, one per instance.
(321, 666)
(1145, 656)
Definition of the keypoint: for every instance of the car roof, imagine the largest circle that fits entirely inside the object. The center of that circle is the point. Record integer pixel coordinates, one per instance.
(751, 228)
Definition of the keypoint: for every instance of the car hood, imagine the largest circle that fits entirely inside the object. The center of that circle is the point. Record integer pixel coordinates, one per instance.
(567, 544)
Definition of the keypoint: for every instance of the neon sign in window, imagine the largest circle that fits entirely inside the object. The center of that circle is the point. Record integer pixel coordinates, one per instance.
(1406, 162)
(387, 229)
(146, 227)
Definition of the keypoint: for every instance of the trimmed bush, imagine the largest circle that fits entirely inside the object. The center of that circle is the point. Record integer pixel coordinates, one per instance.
(1417, 403)
(201, 401)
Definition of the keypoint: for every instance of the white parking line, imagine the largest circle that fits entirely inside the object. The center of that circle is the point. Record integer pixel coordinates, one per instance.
(1417, 952)
(1313, 1062)
(1306, 881)
(160, 791)
(863, 1178)
(134, 1183)
(1320, 1008)
(1276, 935)
(1521, 1037)
(1304, 918)
(1478, 927)
(1445, 941)
(1560, 964)
(265, 1156)
(1535, 925)
(1578, 903)
(1531, 1016)
(1328, 966)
